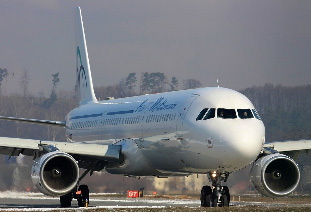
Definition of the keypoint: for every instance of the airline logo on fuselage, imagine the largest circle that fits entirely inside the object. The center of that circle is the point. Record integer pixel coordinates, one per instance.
(160, 104)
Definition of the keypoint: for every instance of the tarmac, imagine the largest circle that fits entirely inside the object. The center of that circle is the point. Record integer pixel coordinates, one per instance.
(37, 201)
(19, 201)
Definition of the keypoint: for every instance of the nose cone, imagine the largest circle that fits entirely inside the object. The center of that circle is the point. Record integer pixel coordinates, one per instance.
(242, 140)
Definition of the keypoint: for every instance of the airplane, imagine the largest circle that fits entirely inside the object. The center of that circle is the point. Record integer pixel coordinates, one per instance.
(214, 131)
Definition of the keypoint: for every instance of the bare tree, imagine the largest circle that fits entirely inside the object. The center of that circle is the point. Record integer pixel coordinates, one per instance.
(53, 96)
(55, 80)
(3, 74)
(24, 82)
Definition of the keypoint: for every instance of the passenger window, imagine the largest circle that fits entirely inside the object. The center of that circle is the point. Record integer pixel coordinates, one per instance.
(210, 114)
(226, 113)
(202, 113)
(245, 113)
(256, 114)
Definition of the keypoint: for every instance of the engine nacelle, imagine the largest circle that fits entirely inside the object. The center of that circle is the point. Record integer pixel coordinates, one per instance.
(275, 175)
(55, 173)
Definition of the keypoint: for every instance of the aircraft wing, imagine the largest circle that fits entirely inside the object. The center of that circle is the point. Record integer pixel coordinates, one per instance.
(34, 121)
(30, 147)
(290, 148)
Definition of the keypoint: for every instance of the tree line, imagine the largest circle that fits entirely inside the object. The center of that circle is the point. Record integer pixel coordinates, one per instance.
(285, 111)
(154, 82)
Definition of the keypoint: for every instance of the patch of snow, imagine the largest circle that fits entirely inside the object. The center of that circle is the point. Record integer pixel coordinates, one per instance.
(23, 195)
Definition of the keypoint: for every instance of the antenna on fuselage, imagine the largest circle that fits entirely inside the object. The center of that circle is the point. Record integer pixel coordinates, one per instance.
(217, 83)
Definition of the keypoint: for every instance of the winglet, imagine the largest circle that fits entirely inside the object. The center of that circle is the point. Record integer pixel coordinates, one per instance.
(84, 79)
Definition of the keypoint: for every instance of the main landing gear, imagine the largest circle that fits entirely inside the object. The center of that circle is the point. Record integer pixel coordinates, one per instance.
(81, 194)
(219, 195)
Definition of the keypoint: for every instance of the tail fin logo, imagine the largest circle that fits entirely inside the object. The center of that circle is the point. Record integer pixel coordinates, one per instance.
(81, 74)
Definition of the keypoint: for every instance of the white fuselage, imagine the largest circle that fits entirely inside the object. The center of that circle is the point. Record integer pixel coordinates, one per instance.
(170, 134)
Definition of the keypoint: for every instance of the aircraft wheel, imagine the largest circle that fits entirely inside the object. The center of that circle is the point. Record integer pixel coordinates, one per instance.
(83, 198)
(215, 198)
(227, 194)
(65, 201)
(224, 201)
(205, 197)
(214, 201)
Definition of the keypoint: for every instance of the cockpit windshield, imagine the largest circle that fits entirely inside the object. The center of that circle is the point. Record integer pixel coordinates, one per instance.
(210, 114)
(256, 114)
(206, 113)
(245, 113)
(224, 113)
(202, 113)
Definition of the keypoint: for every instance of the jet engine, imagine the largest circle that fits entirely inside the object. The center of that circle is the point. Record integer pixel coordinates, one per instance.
(55, 173)
(275, 175)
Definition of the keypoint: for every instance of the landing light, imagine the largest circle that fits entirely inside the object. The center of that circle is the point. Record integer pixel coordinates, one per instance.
(214, 174)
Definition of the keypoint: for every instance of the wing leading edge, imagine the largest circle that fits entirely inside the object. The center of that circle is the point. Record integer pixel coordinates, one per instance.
(30, 147)
(35, 121)
(290, 148)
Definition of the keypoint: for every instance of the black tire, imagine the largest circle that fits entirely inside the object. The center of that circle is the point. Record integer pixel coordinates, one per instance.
(226, 192)
(80, 203)
(205, 197)
(224, 201)
(65, 201)
(214, 199)
(83, 199)
(208, 200)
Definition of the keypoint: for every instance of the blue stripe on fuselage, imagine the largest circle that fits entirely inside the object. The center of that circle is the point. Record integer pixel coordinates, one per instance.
(120, 112)
(87, 116)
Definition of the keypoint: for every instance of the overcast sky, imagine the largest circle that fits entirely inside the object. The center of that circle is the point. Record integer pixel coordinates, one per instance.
(243, 43)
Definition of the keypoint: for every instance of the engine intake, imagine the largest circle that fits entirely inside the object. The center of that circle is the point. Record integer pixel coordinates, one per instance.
(275, 175)
(55, 173)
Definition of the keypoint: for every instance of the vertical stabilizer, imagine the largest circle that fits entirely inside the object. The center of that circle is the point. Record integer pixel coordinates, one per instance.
(84, 79)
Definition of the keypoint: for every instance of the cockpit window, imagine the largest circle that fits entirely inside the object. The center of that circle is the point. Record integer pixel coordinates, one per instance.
(245, 113)
(210, 114)
(256, 114)
(206, 114)
(202, 113)
(226, 113)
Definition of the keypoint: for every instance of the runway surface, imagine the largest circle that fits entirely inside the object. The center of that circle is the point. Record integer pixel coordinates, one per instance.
(19, 201)
(37, 200)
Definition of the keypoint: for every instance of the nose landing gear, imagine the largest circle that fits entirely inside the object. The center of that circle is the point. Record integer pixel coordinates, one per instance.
(219, 195)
